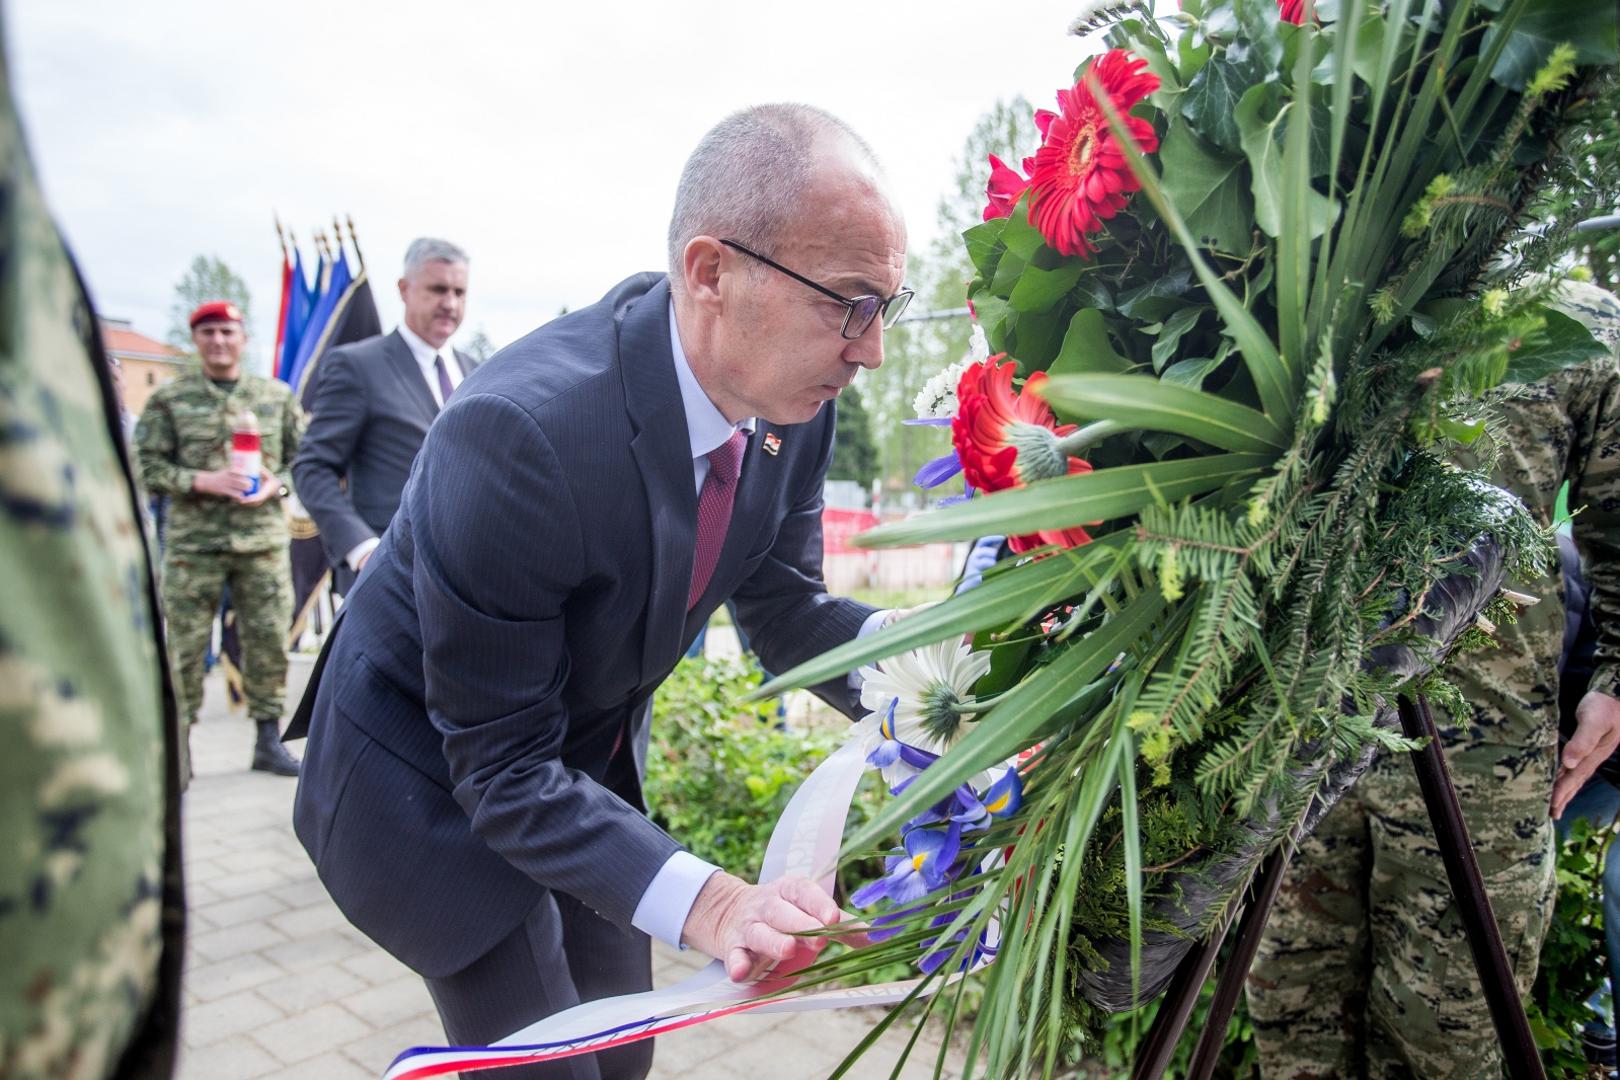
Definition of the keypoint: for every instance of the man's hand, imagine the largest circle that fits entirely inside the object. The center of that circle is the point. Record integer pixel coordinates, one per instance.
(269, 488)
(1597, 733)
(222, 482)
(751, 927)
(896, 614)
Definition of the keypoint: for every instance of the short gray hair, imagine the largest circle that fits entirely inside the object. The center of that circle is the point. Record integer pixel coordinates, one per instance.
(747, 176)
(426, 249)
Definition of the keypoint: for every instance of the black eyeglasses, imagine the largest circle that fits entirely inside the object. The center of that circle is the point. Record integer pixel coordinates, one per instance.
(859, 311)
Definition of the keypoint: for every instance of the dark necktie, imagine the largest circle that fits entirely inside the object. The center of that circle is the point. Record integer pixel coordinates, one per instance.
(445, 389)
(714, 511)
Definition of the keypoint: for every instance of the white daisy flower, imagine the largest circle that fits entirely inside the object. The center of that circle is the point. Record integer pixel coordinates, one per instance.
(911, 697)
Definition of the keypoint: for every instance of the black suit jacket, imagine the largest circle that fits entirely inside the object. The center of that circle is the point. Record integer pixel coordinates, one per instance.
(369, 415)
(527, 600)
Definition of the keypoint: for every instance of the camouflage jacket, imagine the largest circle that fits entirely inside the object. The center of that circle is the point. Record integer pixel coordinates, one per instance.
(91, 903)
(186, 429)
(1564, 427)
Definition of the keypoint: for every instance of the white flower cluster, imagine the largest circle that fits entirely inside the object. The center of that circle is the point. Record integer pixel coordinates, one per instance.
(937, 398)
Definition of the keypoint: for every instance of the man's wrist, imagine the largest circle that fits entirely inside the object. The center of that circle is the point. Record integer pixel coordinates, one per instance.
(710, 912)
(358, 553)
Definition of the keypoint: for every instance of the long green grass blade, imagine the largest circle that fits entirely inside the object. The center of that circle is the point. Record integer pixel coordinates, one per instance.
(1001, 599)
(1293, 245)
(1131, 832)
(1142, 401)
(1073, 500)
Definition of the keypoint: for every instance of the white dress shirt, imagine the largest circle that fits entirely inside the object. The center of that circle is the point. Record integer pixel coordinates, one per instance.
(663, 908)
(424, 355)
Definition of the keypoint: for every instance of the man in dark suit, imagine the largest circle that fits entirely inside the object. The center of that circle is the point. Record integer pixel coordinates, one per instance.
(372, 406)
(471, 790)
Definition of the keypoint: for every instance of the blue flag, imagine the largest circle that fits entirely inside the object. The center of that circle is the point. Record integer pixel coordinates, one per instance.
(299, 304)
(318, 318)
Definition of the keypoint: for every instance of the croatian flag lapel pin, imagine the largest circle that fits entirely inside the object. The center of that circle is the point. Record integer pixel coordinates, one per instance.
(772, 443)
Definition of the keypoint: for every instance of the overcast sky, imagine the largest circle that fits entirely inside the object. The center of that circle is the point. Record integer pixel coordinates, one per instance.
(546, 139)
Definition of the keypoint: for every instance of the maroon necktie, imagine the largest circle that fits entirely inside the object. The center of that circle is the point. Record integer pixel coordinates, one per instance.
(445, 389)
(714, 511)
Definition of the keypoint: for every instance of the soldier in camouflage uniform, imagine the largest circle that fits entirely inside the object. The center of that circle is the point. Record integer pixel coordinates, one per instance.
(218, 534)
(92, 909)
(1365, 969)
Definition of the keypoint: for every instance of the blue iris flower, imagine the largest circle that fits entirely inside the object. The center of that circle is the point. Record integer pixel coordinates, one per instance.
(936, 472)
(1005, 796)
(924, 865)
(982, 949)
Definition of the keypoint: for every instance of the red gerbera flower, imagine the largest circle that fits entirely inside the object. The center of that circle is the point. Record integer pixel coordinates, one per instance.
(1292, 11)
(1070, 537)
(1005, 186)
(1081, 177)
(1006, 439)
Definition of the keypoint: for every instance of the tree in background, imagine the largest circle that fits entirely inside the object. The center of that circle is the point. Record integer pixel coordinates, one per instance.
(854, 455)
(479, 347)
(914, 351)
(208, 278)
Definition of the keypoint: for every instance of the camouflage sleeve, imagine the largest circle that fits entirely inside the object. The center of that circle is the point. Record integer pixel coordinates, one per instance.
(293, 422)
(156, 448)
(1594, 477)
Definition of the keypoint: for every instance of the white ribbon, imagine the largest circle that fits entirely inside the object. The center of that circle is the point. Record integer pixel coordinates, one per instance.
(804, 843)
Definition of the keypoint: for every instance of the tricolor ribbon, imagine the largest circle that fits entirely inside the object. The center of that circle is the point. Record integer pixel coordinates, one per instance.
(804, 843)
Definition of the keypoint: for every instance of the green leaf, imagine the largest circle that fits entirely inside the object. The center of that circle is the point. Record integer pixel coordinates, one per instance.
(1175, 328)
(1142, 401)
(1260, 143)
(1009, 272)
(1092, 291)
(1212, 98)
(1209, 189)
(1018, 235)
(1072, 500)
(1561, 343)
(1588, 26)
(1040, 290)
(1190, 373)
(993, 312)
(1157, 299)
(1086, 347)
(984, 246)
(1037, 336)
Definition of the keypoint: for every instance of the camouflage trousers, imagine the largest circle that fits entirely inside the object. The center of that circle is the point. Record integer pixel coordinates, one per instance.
(261, 596)
(1365, 969)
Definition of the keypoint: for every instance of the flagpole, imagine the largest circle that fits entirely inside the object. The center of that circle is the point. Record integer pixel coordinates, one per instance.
(281, 236)
(337, 231)
(354, 241)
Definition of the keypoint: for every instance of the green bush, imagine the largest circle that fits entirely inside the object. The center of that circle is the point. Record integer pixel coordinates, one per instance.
(720, 771)
(1572, 962)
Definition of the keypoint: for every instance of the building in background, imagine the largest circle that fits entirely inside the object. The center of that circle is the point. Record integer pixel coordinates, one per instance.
(147, 363)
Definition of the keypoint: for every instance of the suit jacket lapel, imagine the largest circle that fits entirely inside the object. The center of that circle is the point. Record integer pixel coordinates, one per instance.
(663, 453)
(409, 373)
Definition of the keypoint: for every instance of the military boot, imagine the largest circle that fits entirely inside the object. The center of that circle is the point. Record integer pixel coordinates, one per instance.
(268, 753)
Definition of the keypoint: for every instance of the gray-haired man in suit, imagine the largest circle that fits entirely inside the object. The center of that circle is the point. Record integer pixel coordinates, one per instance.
(471, 791)
(374, 401)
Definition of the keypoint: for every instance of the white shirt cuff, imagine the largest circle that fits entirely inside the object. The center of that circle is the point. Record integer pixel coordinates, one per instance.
(364, 548)
(661, 913)
(874, 622)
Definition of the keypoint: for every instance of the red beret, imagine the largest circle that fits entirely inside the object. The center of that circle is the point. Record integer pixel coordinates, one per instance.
(216, 311)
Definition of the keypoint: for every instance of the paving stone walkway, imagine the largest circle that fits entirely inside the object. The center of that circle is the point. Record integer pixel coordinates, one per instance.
(278, 985)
